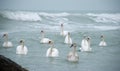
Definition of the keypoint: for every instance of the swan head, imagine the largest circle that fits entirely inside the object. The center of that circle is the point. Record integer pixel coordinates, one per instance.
(68, 33)
(50, 42)
(88, 38)
(73, 45)
(102, 36)
(42, 31)
(5, 35)
(21, 41)
(61, 25)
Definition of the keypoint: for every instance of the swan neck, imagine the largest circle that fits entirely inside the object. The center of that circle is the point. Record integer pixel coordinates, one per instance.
(74, 50)
(103, 39)
(22, 44)
(69, 39)
(43, 35)
(52, 45)
(62, 29)
(6, 38)
(88, 43)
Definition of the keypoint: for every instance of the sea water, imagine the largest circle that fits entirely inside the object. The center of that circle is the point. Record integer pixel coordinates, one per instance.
(27, 25)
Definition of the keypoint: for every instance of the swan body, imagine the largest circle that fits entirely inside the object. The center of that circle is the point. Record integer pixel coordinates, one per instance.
(64, 33)
(85, 45)
(6, 42)
(52, 52)
(21, 49)
(73, 58)
(72, 55)
(102, 43)
(68, 40)
(43, 39)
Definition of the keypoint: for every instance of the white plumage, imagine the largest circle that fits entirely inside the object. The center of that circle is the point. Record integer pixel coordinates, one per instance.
(68, 39)
(21, 49)
(73, 56)
(52, 51)
(43, 39)
(102, 42)
(63, 33)
(85, 44)
(6, 42)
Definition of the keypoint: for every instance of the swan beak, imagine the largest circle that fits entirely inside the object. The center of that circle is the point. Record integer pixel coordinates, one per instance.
(71, 46)
(49, 42)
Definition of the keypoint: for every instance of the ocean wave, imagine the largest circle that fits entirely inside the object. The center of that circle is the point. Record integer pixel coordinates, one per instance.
(107, 27)
(31, 16)
(105, 18)
(20, 15)
(54, 14)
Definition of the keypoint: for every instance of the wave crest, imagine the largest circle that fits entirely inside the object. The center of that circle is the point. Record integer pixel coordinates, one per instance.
(105, 18)
(24, 16)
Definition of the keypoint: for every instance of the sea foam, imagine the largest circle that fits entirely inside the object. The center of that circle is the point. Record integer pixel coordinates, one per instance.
(20, 15)
(105, 18)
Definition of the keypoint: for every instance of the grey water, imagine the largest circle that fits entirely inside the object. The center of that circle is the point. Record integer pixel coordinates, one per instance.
(27, 25)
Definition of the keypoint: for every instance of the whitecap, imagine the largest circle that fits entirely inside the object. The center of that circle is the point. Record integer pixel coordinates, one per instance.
(21, 15)
(105, 18)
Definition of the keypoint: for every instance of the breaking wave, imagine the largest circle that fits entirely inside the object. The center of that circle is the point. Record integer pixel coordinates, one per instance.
(105, 18)
(23, 16)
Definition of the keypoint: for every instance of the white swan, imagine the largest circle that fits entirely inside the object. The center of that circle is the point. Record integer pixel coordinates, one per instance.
(52, 51)
(63, 33)
(21, 49)
(102, 43)
(73, 56)
(68, 40)
(43, 39)
(6, 42)
(85, 44)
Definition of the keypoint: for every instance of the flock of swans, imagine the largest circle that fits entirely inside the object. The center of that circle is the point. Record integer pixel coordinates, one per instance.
(52, 51)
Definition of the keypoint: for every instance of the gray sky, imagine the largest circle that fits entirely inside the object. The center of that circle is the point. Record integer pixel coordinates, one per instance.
(60, 5)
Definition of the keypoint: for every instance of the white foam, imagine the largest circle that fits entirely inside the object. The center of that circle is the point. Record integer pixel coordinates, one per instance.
(54, 14)
(114, 18)
(107, 27)
(19, 15)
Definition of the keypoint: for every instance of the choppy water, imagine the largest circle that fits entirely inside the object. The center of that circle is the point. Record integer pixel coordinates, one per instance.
(27, 25)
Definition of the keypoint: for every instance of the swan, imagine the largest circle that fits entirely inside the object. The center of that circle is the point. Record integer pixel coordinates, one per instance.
(52, 51)
(85, 44)
(43, 39)
(68, 40)
(73, 56)
(21, 49)
(102, 43)
(6, 42)
(63, 33)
